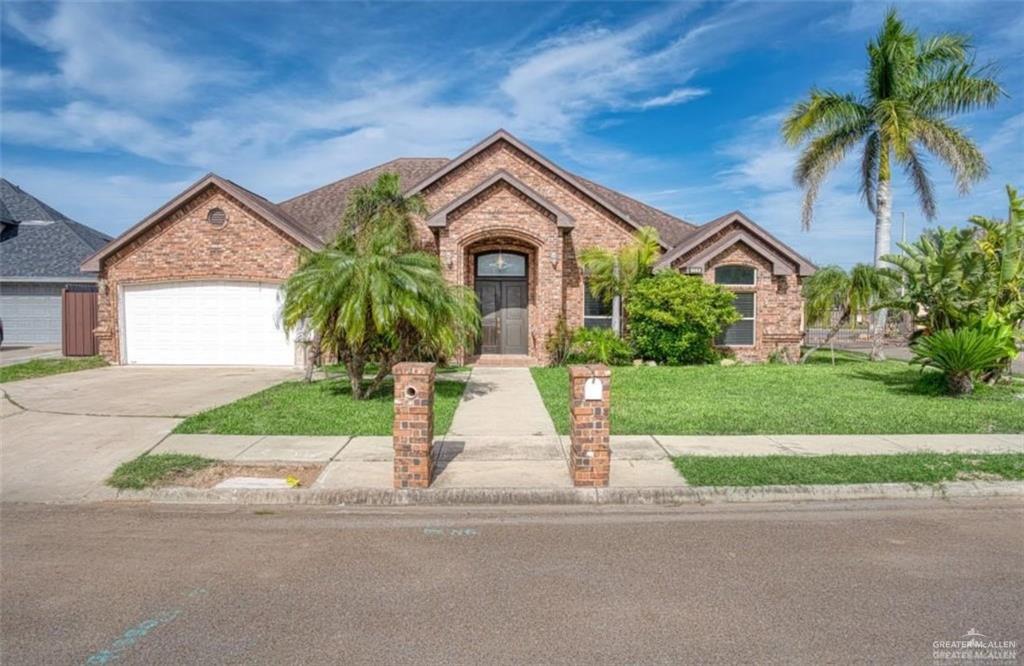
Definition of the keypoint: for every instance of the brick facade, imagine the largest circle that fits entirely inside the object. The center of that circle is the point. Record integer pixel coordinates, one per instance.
(778, 322)
(501, 217)
(184, 246)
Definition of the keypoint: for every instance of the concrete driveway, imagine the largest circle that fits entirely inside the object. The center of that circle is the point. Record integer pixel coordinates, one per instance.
(12, 353)
(63, 435)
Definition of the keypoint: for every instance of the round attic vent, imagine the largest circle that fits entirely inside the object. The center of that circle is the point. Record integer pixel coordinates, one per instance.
(216, 217)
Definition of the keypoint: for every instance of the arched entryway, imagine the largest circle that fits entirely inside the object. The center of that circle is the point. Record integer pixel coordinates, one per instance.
(502, 287)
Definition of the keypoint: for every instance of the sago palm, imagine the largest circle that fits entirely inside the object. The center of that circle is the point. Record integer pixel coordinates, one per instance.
(912, 87)
(835, 298)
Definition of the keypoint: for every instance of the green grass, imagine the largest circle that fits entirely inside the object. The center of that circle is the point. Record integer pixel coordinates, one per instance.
(817, 470)
(320, 408)
(855, 396)
(42, 367)
(147, 470)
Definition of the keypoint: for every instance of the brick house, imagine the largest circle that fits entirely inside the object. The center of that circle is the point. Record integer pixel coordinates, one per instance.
(197, 281)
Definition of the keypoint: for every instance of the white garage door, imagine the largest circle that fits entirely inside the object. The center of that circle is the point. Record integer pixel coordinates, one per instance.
(205, 323)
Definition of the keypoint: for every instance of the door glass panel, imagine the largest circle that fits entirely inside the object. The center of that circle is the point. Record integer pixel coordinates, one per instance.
(501, 264)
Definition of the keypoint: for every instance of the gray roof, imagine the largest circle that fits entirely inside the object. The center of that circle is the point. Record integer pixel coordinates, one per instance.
(39, 241)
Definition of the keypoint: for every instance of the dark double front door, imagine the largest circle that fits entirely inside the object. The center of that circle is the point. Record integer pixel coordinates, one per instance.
(503, 305)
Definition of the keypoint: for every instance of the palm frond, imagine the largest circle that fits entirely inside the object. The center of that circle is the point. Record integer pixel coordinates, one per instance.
(918, 175)
(958, 88)
(819, 158)
(824, 112)
(954, 149)
(869, 165)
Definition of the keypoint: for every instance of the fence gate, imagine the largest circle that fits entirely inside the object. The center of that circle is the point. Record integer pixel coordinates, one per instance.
(78, 319)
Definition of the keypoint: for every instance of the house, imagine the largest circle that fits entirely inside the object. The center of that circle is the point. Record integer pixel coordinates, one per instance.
(197, 281)
(41, 251)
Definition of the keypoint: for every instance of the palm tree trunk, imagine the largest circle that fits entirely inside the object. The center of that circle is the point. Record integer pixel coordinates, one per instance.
(883, 243)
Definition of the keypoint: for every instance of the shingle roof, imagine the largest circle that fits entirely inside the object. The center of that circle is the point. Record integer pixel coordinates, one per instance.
(39, 241)
(321, 210)
(671, 229)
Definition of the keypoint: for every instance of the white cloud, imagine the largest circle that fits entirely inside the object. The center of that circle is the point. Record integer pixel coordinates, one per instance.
(677, 96)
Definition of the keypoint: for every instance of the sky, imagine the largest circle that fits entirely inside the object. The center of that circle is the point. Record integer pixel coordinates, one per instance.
(111, 109)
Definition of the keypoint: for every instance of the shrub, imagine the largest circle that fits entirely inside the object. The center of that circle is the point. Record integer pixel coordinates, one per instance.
(599, 345)
(675, 318)
(559, 342)
(961, 354)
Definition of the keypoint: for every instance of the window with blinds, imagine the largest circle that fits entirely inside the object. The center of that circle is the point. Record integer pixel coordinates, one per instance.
(598, 313)
(742, 332)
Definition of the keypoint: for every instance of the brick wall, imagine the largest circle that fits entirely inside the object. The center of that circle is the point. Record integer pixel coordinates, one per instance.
(184, 246)
(502, 218)
(778, 326)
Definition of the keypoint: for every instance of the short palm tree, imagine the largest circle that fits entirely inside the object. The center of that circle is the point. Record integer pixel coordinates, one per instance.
(913, 85)
(835, 298)
(371, 296)
(612, 275)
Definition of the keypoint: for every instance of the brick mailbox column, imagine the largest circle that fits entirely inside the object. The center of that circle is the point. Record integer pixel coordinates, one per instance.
(413, 430)
(590, 456)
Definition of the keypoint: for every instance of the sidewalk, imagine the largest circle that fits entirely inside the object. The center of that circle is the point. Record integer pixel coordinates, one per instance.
(539, 461)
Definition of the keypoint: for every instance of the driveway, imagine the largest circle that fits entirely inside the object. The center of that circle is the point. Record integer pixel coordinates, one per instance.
(19, 353)
(63, 435)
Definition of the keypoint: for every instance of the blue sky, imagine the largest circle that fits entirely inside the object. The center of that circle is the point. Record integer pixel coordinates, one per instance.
(111, 109)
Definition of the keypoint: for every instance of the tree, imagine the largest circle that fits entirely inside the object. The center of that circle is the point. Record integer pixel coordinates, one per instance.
(913, 85)
(831, 289)
(371, 296)
(1002, 244)
(614, 274)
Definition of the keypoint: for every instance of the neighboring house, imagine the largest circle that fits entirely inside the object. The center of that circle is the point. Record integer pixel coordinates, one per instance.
(41, 251)
(197, 281)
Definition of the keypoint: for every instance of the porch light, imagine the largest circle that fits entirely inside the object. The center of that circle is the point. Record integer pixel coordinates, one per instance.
(553, 256)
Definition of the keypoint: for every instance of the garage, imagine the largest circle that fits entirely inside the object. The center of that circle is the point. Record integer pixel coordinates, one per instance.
(205, 323)
(31, 312)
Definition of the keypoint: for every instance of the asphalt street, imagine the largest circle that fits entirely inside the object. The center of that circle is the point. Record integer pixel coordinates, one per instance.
(858, 582)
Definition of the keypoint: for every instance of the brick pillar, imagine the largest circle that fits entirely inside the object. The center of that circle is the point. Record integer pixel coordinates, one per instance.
(590, 455)
(413, 430)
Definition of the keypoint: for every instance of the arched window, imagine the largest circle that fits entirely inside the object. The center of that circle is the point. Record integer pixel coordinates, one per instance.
(500, 264)
(735, 275)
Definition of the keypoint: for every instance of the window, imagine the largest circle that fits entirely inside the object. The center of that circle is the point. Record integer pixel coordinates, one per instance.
(501, 264)
(742, 332)
(217, 217)
(598, 313)
(742, 276)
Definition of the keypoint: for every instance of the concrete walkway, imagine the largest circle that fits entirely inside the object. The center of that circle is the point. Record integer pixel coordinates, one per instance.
(501, 402)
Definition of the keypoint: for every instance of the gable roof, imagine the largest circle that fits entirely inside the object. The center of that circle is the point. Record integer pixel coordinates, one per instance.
(321, 209)
(17, 205)
(562, 219)
(754, 235)
(670, 229)
(264, 208)
(39, 243)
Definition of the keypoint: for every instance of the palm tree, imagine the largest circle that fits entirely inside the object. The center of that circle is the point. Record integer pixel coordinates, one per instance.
(831, 290)
(913, 85)
(371, 296)
(613, 274)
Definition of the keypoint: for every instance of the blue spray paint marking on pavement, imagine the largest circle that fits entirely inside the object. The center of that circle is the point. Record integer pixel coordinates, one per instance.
(130, 637)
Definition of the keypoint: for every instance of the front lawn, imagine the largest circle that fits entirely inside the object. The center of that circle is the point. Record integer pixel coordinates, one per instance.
(320, 408)
(854, 396)
(42, 367)
(818, 470)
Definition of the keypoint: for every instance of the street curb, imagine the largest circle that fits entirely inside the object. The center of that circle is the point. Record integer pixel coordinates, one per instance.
(573, 496)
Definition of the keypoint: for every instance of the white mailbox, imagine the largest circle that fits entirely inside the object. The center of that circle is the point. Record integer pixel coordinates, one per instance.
(592, 389)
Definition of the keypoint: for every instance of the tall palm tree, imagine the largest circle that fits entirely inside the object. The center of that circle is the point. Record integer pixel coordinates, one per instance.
(832, 290)
(371, 296)
(912, 87)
